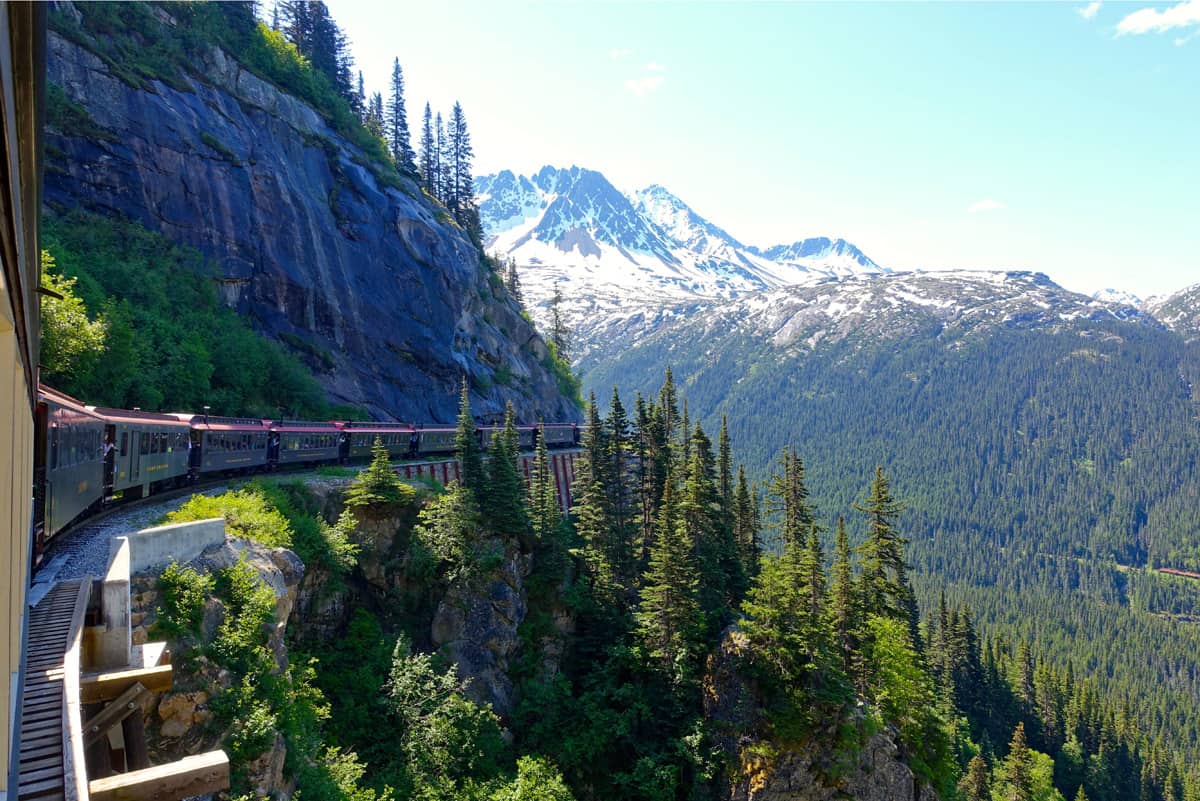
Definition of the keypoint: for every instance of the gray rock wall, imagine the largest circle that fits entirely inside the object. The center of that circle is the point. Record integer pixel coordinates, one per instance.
(384, 297)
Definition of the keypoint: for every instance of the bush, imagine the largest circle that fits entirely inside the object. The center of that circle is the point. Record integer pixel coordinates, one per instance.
(184, 594)
(247, 513)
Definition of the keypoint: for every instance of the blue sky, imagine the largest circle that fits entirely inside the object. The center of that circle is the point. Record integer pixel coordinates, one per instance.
(1057, 137)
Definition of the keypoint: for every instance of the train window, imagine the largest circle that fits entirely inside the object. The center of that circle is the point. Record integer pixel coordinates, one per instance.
(153, 442)
(124, 442)
(72, 447)
(144, 443)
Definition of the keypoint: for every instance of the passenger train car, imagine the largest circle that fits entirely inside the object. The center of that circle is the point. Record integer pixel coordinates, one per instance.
(86, 456)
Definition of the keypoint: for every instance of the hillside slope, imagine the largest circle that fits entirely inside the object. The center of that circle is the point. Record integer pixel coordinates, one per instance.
(1044, 443)
(314, 241)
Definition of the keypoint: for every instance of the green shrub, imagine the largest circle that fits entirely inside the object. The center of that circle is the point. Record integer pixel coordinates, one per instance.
(248, 514)
(184, 593)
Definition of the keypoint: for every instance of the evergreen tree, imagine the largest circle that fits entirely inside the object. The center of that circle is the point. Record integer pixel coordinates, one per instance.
(466, 445)
(745, 526)
(560, 334)
(1018, 767)
(396, 123)
(885, 587)
(592, 513)
(670, 623)
(974, 785)
(545, 515)
(843, 605)
(441, 146)
(358, 103)
(461, 193)
(374, 119)
(699, 519)
(429, 153)
(378, 487)
(504, 505)
(787, 499)
(512, 282)
(621, 494)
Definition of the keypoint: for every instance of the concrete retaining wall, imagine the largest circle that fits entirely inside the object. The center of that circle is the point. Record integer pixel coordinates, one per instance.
(179, 542)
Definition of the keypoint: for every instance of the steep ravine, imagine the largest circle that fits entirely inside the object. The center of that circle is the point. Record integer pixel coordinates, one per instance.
(385, 298)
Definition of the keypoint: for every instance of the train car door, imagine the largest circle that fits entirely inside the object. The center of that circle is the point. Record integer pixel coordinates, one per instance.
(137, 445)
(110, 457)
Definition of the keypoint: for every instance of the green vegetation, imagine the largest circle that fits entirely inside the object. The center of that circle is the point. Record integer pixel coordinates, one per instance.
(71, 119)
(1033, 478)
(167, 342)
(378, 487)
(72, 344)
(655, 563)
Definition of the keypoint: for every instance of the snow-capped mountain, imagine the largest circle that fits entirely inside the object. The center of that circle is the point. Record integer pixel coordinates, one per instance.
(867, 309)
(1110, 295)
(620, 254)
(1179, 311)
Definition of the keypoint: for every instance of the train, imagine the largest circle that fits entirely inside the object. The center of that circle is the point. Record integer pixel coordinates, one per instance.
(86, 457)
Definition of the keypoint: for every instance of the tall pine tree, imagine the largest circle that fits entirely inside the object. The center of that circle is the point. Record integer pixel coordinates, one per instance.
(466, 445)
(504, 496)
(885, 587)
(429, 153)
(395, 120)
(670, 623)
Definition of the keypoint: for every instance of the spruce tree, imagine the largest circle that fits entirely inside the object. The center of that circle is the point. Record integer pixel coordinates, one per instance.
(745, 526)
(512, 282)
(429, 154)
(441, 172)
(974, 785)
(560, 334)
(374, 119)
(545, 515)
(592, 514)
(885, 587)
(669, 619)
(503, 500)
(843, 605)
(461, 195)
(698, 518)
(466, 445)
(787, 499)
(1018, 767)
(621, 496)
(396, 122)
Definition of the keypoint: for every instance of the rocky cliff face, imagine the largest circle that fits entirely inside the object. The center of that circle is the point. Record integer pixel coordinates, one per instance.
(372, 284)
(768, 771)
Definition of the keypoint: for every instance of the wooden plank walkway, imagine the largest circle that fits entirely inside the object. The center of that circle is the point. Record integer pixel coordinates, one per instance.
(41, 771)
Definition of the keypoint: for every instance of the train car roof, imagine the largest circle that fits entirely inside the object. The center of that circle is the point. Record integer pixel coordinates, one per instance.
(63, 399)
(215, 423)
(302, 426)
(137, 416)
(369, 427)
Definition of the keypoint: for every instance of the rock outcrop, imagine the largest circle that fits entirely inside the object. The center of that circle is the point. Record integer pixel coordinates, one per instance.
(476, 625)
(366, 279)
(768, 771)
(181, 717)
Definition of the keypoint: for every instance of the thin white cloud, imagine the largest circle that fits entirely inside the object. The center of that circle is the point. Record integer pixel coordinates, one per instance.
(618, 53)
(1147, 20)
(1090, 10)
(644, 85)
(987, 204)
(654, 66)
